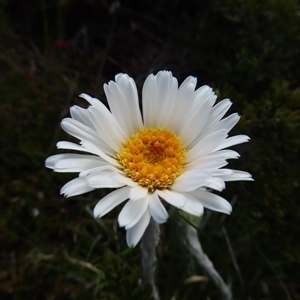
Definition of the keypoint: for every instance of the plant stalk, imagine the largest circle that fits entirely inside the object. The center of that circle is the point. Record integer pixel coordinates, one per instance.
(149, 242)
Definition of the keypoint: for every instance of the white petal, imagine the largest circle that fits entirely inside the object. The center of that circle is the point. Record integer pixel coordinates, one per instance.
(190, 180)
(217, 113)
(193, 125)
(76, 187)
(159, 94)
(93, 149)
(206, 163)
(95, 103)
(229, 122)
(110, 201)
(192, 205)
(224, 154)
(166, 93)
(109, 134)
(104, 114)
(120, 105)
(234, 140)
(181, 106)
(138, 192)
(204, 94)
(87, 147)
(72, 162)
(53, 159)
(212, 201)
(215, 183)
(78, 164)
(84, 133)
(132, 212)
(172, 197)
(158, 211)
(220, 109)
(134, 234)
(107, 118)
(148, 93)
(81, 115)
(103, 179)
(212, 161)
(237, 176)
(122, 178)
(190, 79)
(73, 146)
(222, 172)
(87, 97)
(100, 169)
(207, 145)
(129, 90)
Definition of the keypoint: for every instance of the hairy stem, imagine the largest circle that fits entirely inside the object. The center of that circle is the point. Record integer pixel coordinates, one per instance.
(148, 247)
(194, 246)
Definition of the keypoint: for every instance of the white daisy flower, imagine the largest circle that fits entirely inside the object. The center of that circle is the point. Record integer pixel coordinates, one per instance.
(174, 152)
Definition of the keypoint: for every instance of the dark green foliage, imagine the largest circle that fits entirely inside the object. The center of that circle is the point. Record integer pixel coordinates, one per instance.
(50, 51)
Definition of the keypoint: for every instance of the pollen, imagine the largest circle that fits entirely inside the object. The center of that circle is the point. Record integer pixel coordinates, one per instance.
(153, 158)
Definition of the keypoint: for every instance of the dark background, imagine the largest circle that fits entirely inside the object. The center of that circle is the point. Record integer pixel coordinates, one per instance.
(51, 51)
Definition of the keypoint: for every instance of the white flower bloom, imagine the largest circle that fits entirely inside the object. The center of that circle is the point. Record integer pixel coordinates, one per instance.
(172, 152)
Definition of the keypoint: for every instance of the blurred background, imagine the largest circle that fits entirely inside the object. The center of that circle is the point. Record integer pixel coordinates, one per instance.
(51, 51)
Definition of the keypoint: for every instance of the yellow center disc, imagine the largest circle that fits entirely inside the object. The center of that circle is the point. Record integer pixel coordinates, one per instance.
(153, 157)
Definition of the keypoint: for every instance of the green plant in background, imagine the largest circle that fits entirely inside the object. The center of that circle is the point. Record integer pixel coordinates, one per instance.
(247, 50)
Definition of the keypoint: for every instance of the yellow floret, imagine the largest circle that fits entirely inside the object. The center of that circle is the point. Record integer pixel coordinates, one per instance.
(153, 157)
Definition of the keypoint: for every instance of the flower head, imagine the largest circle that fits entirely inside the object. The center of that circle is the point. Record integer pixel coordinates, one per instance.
(174, 152)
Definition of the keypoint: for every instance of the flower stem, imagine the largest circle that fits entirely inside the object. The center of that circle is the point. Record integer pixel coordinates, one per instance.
(149, 242)
(194, 246)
